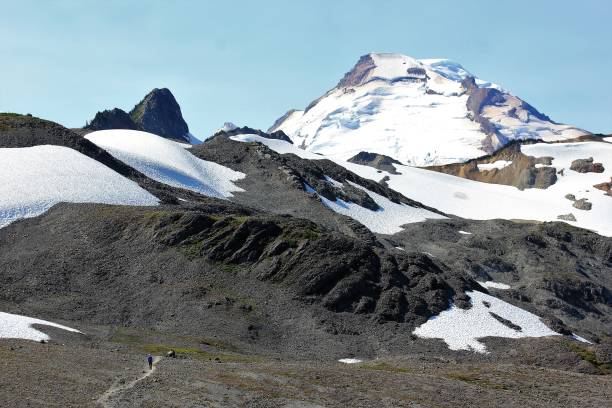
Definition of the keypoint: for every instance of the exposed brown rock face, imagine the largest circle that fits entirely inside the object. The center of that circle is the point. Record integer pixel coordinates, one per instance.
(605, 186)
(586, 166)
(356, 76)
(521, 173)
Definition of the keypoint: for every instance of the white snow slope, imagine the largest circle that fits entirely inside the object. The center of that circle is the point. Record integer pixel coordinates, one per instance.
(460, 328)
(20, 327)
(417, 119)
(386, 220)
(167, 162)
(482, 201)
(33, 179)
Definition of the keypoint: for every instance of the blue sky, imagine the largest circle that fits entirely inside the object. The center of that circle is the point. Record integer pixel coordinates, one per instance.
(248, 62)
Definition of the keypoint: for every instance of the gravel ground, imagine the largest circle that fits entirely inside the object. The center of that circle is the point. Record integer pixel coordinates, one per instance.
(74, 371)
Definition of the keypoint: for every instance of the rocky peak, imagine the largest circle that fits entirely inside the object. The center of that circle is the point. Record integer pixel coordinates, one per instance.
(159, 113)
(384, 66)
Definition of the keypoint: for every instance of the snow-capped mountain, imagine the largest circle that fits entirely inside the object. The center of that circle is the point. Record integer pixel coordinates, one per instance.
(421, 112)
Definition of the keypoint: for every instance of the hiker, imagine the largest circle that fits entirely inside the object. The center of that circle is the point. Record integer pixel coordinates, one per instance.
(150, 360)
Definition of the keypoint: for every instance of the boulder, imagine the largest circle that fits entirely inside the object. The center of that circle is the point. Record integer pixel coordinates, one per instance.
(567, 217)
(586, 166)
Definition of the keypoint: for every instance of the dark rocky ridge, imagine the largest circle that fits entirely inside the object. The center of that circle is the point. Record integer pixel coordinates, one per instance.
(378, 161)
(112, 119)
(245, 130)
(556, 270)
(201, 271)
(276, 183)
(157, 113)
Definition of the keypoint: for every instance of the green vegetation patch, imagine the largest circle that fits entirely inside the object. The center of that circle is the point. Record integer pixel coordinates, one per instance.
(474, 379)
(162, 349)
(588, 355)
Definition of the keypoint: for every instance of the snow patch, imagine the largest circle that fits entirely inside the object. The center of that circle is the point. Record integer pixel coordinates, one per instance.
(36, 178)
(499, 164)
(333, 182)
(386, 220)
(465, 232)
(494, 285)
(20, 327)
(461, 329)
(167, 162)
(581, 339)
(350, 360)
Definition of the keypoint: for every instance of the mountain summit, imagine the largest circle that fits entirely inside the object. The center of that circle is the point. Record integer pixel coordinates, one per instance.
(158, 113)
(421, 112)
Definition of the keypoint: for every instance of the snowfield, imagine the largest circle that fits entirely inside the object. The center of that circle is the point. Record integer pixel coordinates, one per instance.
(388, 219)
(168, 162)
(461, 329)
(483, 201)
(350, 361)
(20, 327)
(414, 111)
(36, 178)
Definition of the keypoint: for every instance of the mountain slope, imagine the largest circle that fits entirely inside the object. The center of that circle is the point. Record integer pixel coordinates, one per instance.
(167, 162)
(477, 200)
(420, 112)
(319, 190)
(36, 178)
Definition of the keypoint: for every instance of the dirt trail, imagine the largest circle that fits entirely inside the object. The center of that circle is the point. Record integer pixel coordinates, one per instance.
(117, 388)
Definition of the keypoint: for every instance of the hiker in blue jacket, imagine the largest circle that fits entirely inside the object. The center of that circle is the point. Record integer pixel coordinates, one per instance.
(150, 361)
